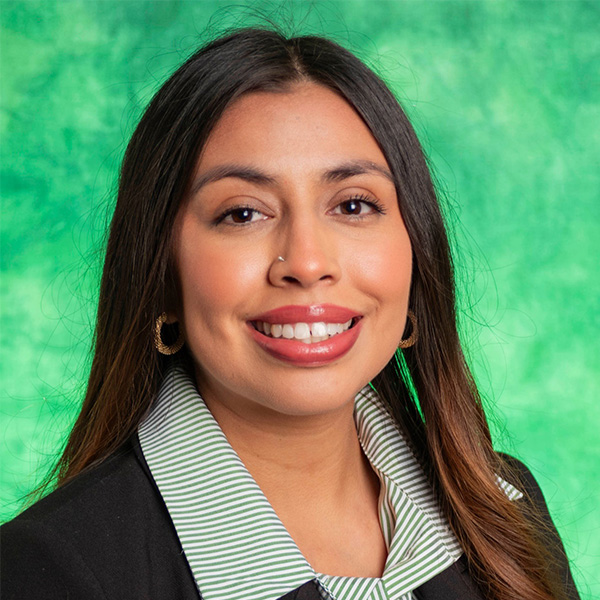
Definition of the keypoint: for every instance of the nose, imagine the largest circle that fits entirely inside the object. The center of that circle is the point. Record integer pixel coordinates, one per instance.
(310, 255)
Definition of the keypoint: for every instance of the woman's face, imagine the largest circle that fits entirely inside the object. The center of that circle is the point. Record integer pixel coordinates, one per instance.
(295, 175)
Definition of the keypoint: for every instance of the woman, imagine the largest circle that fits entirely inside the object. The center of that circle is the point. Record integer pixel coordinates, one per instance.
(278, 405)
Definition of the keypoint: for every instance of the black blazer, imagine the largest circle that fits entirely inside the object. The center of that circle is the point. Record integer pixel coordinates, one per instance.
(107, 535)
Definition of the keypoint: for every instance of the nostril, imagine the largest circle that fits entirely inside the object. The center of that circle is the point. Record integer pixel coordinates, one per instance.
(290, 279)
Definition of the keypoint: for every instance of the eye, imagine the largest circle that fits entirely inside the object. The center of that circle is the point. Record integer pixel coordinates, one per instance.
(241, 215)
(359, 206)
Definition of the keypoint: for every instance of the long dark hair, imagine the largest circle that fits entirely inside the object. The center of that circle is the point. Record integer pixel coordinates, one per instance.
(430, 392)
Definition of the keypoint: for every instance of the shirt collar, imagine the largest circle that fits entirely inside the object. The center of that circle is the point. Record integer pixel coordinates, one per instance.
(235, 544)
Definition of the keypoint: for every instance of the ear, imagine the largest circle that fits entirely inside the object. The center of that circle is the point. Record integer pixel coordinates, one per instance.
(172, 296)
(171, 318)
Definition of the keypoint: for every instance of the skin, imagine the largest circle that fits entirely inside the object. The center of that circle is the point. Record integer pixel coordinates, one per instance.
(293, 425)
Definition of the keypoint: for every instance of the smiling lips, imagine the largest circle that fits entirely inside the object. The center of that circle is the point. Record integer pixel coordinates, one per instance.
(306, 335)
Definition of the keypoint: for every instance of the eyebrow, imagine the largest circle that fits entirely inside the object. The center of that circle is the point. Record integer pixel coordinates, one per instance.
(339, 173)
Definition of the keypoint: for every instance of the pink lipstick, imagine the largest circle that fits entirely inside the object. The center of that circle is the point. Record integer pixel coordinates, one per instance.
(295, 351)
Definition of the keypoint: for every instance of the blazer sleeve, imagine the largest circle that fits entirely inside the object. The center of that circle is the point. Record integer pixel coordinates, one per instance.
(105, 535)
(37, 562)
(533, 496)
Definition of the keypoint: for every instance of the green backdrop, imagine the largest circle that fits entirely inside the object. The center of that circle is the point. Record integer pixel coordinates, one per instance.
(505, 97)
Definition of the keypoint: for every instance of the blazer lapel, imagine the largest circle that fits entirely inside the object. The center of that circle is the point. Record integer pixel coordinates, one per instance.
(454, 583)
(308, 591)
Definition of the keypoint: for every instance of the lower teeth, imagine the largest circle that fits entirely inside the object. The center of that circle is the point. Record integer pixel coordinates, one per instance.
(314, 340)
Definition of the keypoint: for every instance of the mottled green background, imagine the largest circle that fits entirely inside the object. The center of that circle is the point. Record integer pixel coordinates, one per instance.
(505, 97)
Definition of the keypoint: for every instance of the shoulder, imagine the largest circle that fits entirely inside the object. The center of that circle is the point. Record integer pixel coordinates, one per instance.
(106, 534)
(519, 475)
(535, 509)
(533, 502)
(101, 497)
(90, 488)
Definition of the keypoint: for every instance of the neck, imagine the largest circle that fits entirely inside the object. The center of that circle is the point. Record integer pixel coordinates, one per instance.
(317, 457)
(315, 476)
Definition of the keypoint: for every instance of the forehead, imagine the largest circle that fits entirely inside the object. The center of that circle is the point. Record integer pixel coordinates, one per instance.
(306, 127)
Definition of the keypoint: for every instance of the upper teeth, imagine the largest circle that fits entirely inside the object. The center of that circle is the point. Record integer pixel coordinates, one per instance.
(305, 332)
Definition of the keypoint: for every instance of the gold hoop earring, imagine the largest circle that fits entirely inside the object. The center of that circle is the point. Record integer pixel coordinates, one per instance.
(160, 345)
(414, 336)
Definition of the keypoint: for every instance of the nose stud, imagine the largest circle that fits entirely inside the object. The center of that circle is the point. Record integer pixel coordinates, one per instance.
(281, 259)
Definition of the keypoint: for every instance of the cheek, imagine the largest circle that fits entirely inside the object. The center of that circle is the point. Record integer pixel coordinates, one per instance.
(215, 278)
(385, 268)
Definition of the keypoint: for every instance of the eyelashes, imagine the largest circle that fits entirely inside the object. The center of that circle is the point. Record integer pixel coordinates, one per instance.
(356, 207)
(353, 203)
(240, 215)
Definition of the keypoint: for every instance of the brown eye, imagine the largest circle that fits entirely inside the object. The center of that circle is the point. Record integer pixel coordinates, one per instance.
(351, 207)
(241, 215)
(359, 207)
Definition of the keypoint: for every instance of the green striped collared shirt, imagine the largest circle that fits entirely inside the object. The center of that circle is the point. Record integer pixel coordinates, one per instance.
(237, 547)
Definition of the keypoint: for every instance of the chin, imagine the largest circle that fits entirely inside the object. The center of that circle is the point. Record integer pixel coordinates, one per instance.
(312, 400)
